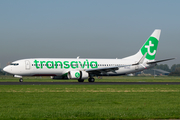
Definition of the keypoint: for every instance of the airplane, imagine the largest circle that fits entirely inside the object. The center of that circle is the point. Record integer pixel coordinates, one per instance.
(81, 69)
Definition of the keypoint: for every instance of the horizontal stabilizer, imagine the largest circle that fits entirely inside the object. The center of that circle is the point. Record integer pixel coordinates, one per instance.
(153, 62)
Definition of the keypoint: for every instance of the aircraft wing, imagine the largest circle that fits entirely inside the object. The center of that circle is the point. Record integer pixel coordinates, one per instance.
(112, 69)
(105, 69)
(157, 61)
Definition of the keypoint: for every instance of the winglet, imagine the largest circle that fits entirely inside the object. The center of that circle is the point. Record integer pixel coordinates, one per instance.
(141, 60)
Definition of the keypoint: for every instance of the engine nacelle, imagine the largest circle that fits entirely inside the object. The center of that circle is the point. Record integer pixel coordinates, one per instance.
(77, 75)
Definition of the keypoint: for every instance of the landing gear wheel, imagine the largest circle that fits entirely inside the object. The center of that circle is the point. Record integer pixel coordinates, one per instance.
(91, 79)
(80, 80)
(20, 80)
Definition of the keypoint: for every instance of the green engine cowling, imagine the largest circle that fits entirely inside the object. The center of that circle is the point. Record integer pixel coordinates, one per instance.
(77, 75)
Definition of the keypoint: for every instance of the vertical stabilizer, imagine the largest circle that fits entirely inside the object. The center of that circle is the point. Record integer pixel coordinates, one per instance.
(149, 47)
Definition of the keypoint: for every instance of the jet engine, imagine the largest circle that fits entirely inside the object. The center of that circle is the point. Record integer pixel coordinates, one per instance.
(77, 75)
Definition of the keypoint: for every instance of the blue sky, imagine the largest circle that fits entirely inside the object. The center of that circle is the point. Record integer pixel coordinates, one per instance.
(89, 29)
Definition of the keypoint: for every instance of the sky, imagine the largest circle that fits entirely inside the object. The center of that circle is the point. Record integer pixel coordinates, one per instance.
(87, 28)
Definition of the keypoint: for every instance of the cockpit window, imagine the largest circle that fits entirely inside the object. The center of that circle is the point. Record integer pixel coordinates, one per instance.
(15, 64)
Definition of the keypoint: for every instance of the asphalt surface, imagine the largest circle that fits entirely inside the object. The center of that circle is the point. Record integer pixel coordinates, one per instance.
(88, 83)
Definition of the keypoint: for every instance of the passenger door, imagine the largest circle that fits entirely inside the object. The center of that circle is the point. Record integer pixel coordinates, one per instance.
(27, 64)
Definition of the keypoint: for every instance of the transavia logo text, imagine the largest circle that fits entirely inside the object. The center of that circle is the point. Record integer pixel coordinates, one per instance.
(65, 64)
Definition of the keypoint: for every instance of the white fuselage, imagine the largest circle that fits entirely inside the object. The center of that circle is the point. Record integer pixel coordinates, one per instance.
(58, 67)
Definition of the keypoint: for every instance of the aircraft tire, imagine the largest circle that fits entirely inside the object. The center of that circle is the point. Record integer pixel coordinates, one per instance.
(80, 80)
(20, 80)
(91, 79)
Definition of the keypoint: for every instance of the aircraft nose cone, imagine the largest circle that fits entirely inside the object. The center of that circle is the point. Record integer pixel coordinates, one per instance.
(6, 69)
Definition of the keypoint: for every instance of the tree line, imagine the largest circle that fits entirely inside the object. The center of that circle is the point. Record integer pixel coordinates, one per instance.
(174, 70)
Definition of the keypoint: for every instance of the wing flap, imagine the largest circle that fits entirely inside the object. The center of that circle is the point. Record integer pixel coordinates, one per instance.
(105, 69)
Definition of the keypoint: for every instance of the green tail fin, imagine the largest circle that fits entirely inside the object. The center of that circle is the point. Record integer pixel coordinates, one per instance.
(150, 46)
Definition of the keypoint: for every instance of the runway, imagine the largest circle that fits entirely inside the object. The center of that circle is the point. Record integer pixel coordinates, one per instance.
(89, 83)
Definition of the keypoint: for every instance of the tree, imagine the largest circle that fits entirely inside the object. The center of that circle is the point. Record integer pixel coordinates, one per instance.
(176, 72)
(1, 72)
(164, 67)
(173, 67)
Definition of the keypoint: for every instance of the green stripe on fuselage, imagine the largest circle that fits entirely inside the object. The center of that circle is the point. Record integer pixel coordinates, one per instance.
(65, 64)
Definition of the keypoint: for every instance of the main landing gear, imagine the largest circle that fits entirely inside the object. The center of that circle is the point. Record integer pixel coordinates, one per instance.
(20, 80)
(91, 79)
(80, 80)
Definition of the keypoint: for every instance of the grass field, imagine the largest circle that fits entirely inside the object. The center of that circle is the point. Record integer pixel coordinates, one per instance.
(90, 101)
(104, 79)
